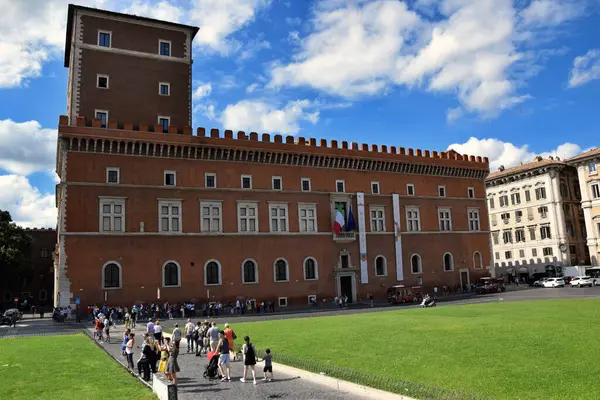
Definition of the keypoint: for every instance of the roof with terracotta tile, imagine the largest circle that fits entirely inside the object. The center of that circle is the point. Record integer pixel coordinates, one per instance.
(530, 166)
(587, 154)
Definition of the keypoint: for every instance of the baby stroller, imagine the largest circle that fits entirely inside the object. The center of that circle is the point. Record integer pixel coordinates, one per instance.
(427, 302)
(212, 368)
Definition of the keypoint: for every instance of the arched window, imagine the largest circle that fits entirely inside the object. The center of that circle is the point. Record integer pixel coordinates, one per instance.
(415, 264)
(171, 274)
(380, 266)
(281, 270)
(212, 273)
(111, 275)
(448, 262)
(249, 272)
(477, 260)
(310, 269)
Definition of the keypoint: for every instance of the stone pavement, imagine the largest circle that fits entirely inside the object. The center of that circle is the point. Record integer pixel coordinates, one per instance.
(192, 385)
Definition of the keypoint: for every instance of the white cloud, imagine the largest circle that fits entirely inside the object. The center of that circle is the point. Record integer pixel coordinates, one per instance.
(252, 87)
(365, 47)
(257, 115)
(293, 21)
(26, 147)
(586, 68)
(162, 10)
(202, 91)
(452, 114)
(251, 48)
(218, 19)
(27, 206)
(508, 154)
(552, 12)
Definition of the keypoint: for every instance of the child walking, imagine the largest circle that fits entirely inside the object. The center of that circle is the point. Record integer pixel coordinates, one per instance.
(268, 369)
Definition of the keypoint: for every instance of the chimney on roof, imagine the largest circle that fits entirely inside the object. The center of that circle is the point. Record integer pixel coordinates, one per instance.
(501, 168)
(550, 157)
(538, 158)
(557, 158)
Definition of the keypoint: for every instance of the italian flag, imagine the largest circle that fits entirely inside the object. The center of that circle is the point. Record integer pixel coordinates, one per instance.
(338, 224)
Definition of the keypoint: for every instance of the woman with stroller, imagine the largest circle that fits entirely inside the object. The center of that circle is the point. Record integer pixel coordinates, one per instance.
(224, 360)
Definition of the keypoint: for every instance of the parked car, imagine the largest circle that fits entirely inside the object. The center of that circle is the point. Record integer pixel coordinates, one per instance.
(554, 282)
(540, 282)
(581, 281)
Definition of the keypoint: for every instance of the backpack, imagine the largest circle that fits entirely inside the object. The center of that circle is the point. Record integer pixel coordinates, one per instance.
(196, 334)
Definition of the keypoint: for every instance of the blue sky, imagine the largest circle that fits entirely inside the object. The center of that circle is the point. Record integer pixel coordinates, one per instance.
(498, 78)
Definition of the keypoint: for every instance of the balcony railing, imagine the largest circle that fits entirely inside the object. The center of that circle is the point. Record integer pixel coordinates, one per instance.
(344, 237)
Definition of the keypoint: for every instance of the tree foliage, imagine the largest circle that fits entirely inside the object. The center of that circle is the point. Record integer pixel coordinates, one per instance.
(15, 253)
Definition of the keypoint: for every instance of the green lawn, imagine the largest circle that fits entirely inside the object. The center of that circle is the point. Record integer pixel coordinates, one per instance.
(524, 350)
(63, 367)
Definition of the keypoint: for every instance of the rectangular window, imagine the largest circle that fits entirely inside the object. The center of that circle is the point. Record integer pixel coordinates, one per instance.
(102, 81)
(519, 235)
(494, 220)
(277, 183)
(497, 255)
(410, 189)
(248, 217)
(547, 251)
(211, 212)
(282, 301)
(164, 47)
(305, 184)
(375, 187)
(518, 216)
(495, 237)
(545, 232)
(570, 230)
(164, 122)
(474, 222)
(377, 219)
(507, 255)
(540, 193)
(503, 201)
(592, 167)
(543, 211)
(595, 191)
(112, 215)
(340, 186)
(112, 175)
(505, 217)
(492, 205)
(413, 219)
(164, 88)
(507, 237)
(246, 181)
(345, 261)
(471, 193)
(210, 180)
(170, 178)
(102, 115)
(444, 219)
(530, 216)
(534, 252)
(279, 217)
(527, 196)
(532, 232)
(104, 38)
(170, 215)
(515, 198)
(307, 215)
(442, 191)
(522, 253)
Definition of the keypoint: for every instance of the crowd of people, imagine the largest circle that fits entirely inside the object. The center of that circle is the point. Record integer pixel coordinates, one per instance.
(159, 351)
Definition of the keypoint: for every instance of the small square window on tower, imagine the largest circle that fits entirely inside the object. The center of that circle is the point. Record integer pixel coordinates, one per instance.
(170, 178)
(442, 190)
(164, 122)
(102, 81)
(340, 186)
(246, 181)
(164, 88)
(410, 189)
(112, 175)
(375, 187)
(104, 38)
(471, 193)
(277, 183)
(305, 184)
(210, 180)
(164, 47)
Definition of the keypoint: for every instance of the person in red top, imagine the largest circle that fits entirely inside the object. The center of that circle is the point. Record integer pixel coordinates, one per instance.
(99, 329)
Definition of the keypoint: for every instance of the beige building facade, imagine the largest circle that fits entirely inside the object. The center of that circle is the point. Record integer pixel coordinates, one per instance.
(587, 165)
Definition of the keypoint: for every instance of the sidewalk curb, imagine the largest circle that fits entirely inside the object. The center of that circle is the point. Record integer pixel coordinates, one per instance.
(340, 385)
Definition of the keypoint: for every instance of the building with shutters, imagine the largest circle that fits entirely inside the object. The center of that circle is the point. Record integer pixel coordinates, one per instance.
(147, 206)
(536, 221)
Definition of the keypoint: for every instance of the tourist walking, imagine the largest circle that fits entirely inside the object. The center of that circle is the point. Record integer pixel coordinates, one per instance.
(129, 350)
(224, 360)
(213, 336)
(176, 336)
(172, 367)
(189, 335)
(249, 354)
(231, 336)
(158, 332)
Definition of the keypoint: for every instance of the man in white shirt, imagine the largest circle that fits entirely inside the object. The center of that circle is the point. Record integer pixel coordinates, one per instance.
(189, 332)
(176, 336)
(213, 336)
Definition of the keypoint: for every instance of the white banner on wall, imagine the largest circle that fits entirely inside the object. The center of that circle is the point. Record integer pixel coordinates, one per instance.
(398, 237)
(362, 238)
